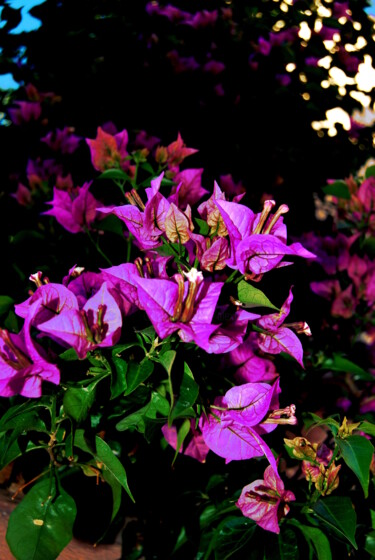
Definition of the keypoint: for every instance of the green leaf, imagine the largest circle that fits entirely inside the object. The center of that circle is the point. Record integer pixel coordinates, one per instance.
(116, 488)
(166, 359)
(315, 538)
(41, 525)
(181, 435)
(118, 379)
(367, 427)
(112, 224)
(137, 374)
(78, 401)
(338, 363)
(339, 189)
(203, 226)
(318, 421)
(253, 297)
(111, 464)
(157, 405)
(69, 355)
(370, 171)
(188, 393)
(11, 322)
(370, 543)
(232, 535)
(114, 174)
(11, 449)
(339, 515)
(6, 303)
(357, 453)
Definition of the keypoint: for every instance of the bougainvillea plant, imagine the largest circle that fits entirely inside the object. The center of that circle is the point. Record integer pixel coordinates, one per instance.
(174, 347)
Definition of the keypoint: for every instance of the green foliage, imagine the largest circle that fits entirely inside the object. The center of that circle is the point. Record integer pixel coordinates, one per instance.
(337, 514)
(357, 453)
(41, 525)
(253, 297)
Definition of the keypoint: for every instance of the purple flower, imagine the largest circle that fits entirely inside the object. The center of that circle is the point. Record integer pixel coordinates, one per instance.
(25, 111)
(232, 428)
(63, 140)
(277, 337)
(98, 324)
(258, 241)
(76, 210)
(266, 501)
(23, 366)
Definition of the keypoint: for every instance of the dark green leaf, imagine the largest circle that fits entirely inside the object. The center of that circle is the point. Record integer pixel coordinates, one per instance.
(116, 488)
(118, 380)
(41, 525)
(203, 226)
(232, 535)
(253, 297)
(318, 421)
(26, 235)
(370, 171)
(181, 435)
(367, 427)
(11, 322)
(157, 405)
(166, 359)
(111, 464)
(114, 174)
(137, 374)
(339, 189)
(11, 449)
(188, 393)
(24, 422)
(78, 401)
(370, 543)
(316, 540)
(112, 224)
(339, 515)
(357, 453)
(339, 363)
(6, 303)
(69, 355)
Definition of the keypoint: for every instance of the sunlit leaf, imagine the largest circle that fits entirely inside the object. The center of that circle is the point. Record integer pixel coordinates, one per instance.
(253, 297)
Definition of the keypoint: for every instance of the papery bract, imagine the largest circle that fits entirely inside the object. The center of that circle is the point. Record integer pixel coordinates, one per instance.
(265, 501)
(23, 366)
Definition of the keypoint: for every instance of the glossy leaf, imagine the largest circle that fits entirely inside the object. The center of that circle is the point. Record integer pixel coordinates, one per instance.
(111, 464)
(339, 515)
(41, 525)
(118, 380)
(370, 171)
(203, 226)
(137, 374)
(357, 453)
(339, 189)
(105, 457)
(339, 363)
(187, 393)
(78, 401)
(6, 303)
(114, 174)
(232, 535)
(253, 297)
(316, 540)
(166, 359)
(367, 427)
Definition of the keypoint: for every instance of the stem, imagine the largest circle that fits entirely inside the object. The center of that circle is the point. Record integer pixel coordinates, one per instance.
(96, 245)
(120, 184)
(231, 276)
